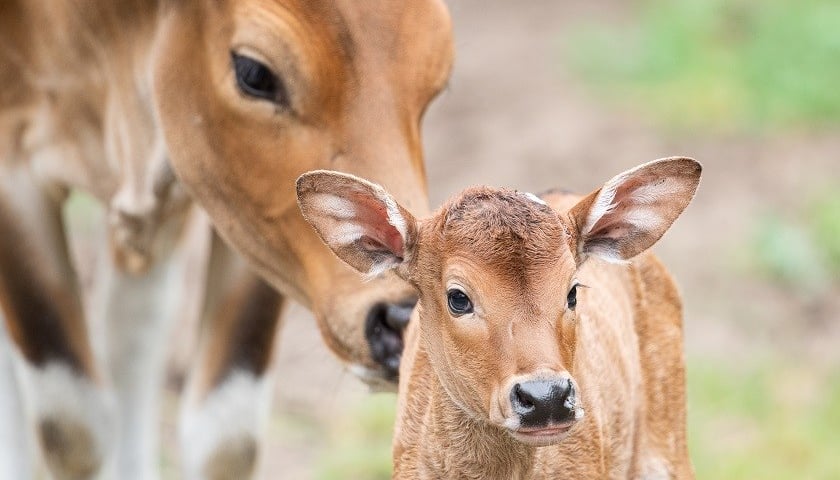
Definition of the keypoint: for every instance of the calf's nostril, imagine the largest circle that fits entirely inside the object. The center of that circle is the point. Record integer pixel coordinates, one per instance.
(539, 403)
(523, 399)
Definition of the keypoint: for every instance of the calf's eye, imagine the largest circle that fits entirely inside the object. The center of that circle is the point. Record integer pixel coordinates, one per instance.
(571, 298)
(458, 301)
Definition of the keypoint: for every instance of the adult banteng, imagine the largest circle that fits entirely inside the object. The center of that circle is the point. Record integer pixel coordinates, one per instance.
(152, 107)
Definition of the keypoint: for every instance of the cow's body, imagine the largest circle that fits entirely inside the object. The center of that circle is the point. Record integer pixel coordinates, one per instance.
(137, 104)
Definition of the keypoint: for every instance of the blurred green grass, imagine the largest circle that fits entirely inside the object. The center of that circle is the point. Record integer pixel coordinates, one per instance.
(719, 64)
(769, 420)
(773, 421)
(359, 446)
(800, 250)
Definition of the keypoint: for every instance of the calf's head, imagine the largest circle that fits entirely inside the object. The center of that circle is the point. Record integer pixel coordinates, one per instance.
(496, 274)
(252, 93)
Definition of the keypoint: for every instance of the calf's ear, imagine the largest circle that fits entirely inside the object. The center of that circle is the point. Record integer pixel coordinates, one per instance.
(358, 220)
(633, 210)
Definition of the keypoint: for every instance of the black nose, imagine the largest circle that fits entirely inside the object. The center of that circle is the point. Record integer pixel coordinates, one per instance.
(383, 331)
(542, 402)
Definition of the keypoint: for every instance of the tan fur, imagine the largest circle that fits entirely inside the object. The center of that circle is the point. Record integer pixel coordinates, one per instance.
(154, 81)
(464, 446)
(516, 259)
(629, 365)
(136, 103)
(645, 355)
(356, 109)
(247, 318)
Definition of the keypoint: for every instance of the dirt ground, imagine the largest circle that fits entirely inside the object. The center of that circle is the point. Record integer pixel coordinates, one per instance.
(514, 116)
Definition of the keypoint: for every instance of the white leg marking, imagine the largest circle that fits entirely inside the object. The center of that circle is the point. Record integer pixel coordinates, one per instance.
(236, 410)
(137, 314)
(67, 406)
(16, 453)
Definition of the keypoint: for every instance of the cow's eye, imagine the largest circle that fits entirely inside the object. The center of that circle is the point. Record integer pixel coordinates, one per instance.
(458, 301)
(571, 298)
(257, 80)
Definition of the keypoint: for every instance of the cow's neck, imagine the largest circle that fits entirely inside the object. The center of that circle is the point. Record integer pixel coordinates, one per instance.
(467, 448)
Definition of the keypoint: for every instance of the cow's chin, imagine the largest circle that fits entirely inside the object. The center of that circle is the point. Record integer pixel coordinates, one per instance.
(376, 379)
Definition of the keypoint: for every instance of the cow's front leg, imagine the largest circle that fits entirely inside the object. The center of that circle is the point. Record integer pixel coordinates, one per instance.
(16, 459)
(40, 298)
(138, 311)
(229, 390)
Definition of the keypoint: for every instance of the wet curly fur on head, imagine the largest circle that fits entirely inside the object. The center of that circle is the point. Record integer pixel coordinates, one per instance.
(506, 228)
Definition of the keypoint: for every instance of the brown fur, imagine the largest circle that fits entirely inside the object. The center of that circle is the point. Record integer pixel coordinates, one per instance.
(153, 80)
(248, 319)
(516, 259)
(512, 233)
(624, 344)
(43, 311)
(136, 103)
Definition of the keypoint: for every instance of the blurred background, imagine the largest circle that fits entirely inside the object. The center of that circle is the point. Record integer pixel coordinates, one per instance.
(561, 93)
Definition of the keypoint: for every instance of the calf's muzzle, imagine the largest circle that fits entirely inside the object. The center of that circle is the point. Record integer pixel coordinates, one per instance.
(545, 402)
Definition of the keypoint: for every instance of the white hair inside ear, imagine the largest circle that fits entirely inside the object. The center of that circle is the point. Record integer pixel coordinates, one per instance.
(357, 219)
(632, 210)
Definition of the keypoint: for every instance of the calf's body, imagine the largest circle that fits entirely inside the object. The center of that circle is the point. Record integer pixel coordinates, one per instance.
(632, 428)
(547, 341)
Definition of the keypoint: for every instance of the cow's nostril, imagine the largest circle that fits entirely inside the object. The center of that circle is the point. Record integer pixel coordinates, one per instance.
(397, 316)
(383, 331)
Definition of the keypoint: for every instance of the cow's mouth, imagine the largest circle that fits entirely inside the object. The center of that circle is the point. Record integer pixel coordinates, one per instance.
(384, 329)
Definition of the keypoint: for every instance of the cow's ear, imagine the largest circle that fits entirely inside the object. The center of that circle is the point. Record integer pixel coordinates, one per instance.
(357, 219)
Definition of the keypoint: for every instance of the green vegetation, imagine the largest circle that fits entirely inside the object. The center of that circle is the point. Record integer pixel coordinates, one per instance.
(82, 214)
(719, 64)
(824, 219)
(360, 444)
(801, 252)
(771, 422)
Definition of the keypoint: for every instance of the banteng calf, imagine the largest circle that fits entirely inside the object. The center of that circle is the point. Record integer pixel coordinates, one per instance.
(548, 344)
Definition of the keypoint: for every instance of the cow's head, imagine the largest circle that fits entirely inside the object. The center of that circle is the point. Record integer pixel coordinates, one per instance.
(252, 93)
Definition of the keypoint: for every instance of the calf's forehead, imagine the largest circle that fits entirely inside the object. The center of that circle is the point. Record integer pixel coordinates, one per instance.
(505, 235)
